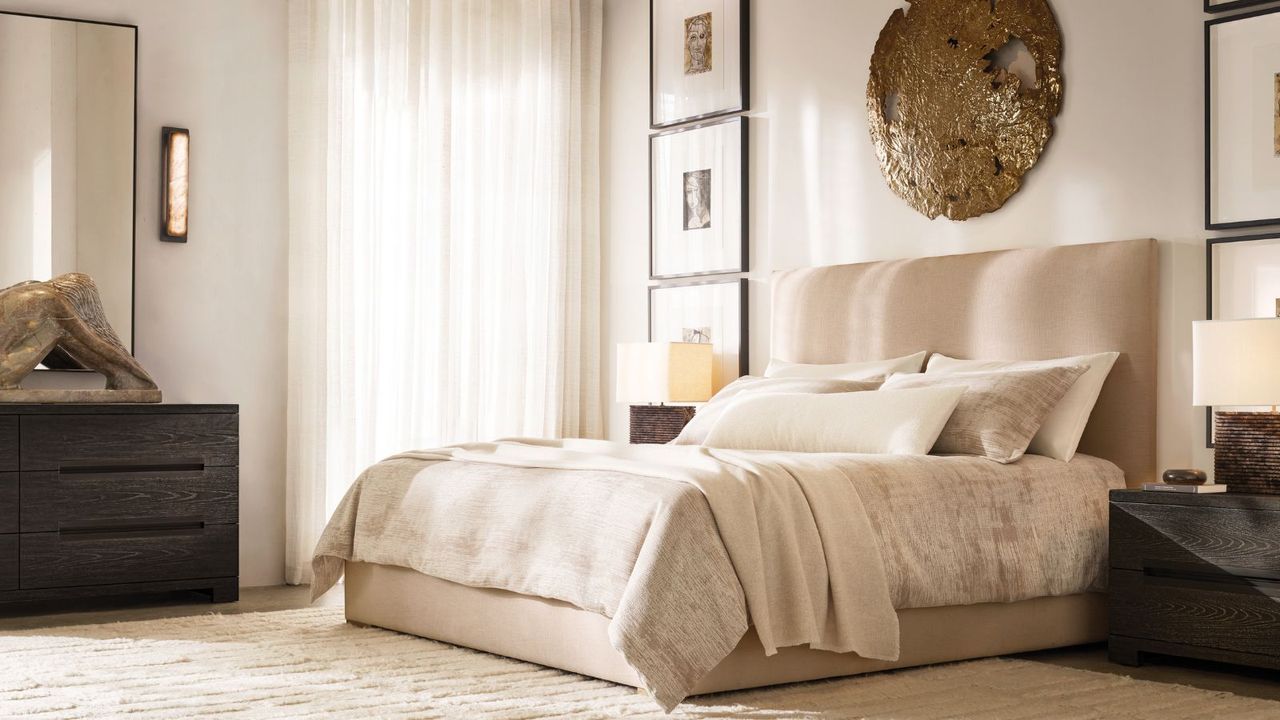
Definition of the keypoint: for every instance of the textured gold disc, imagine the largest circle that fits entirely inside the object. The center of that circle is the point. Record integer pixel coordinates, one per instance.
(953, 130)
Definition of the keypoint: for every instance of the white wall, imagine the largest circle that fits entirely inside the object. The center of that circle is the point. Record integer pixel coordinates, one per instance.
(1125, 163)
(211, 314)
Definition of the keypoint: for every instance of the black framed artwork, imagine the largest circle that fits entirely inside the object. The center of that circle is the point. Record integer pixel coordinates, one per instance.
(1242, 281)
(697, 200)
(713, 312)
(1242, 120)
(698, 60)
(1210, 6)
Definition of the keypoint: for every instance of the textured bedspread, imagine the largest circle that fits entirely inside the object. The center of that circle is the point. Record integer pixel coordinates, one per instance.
(682, 547)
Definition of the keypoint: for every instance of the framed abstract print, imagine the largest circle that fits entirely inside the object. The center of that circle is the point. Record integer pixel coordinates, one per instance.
(1242, 120)
(706, 312)
(1217, 6)
(1243, 281)
(698, 59)
(697, 192)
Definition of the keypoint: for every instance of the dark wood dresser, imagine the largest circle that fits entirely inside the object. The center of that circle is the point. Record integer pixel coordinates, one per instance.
(1195, 576)
(109, 499)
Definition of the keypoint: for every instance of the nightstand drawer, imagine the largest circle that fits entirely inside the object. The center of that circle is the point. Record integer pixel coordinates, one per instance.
(1192, 540)
(135, 442)
(8, 562)
(8, 502)
(1233, 617)
(8, 443)
(53, 501)
(51, 560)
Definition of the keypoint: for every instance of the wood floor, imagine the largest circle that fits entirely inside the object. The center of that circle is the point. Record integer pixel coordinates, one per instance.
(25, 616)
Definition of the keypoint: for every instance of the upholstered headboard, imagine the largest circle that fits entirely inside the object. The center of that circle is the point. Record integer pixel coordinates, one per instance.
(1014, 304)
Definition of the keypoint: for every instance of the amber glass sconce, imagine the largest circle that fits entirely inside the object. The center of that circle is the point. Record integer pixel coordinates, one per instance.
(177, 168)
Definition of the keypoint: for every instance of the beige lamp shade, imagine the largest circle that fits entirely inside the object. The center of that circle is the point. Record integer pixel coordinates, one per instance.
(664, 372)
(1236, 362)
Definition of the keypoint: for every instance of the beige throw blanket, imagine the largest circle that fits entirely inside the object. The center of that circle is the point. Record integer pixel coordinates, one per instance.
(683, 546)
(798, 543)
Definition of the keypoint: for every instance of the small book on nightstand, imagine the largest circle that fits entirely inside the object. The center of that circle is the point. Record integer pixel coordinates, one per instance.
(1195, 489)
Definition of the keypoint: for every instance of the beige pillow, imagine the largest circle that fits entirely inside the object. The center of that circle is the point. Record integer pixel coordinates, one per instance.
(999, 412)
(847, 371)
(1060, 434)
(893, 422)
(696, 431)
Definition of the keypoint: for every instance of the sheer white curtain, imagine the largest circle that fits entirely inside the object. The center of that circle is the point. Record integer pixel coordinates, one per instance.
(444, 233)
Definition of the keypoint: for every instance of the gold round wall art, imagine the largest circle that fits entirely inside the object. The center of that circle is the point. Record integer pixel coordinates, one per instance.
(955, 129)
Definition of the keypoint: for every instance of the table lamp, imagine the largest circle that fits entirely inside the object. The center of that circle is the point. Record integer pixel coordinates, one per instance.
(1237, 362)
(662, 373)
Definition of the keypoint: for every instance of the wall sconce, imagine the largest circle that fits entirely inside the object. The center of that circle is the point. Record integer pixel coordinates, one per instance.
(177, 169)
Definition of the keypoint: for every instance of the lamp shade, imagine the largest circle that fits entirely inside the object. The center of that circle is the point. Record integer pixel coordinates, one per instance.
(664, 372)
(1236, 362)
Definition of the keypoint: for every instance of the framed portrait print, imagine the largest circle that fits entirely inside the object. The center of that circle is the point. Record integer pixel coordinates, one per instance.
(1243, 281)
(706, 312)
(1217, 6)
(697, 192)
(1242, 120)
(698, 59)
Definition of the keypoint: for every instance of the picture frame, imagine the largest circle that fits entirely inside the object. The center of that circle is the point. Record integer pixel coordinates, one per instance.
(712, 311)
(1242, 280)
(1229, 5)
(699, 62)
(1242, 120)
(698, 200)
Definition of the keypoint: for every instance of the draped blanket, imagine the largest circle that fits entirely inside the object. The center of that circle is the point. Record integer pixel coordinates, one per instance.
(683, 546)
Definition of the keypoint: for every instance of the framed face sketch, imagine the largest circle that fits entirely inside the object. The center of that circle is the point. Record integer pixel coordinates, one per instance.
(1242, 120)
(706, 312)
(697, 188)
(698, 59)
(1243, 281)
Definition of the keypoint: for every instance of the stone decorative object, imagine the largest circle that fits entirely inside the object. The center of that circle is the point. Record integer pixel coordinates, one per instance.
(62, 320)
(1184, 476)
(954, 128)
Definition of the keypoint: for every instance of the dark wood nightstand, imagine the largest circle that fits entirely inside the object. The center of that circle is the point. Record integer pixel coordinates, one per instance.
(658, 424)
(1195, 576)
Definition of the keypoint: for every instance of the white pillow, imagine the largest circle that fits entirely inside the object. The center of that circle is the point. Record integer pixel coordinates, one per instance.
(1060, 433)
(847, 371)
(889, 422)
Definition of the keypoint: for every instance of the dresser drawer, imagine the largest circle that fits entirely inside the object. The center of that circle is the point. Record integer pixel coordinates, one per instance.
(8, 562)
(1234, 617)
(8, 502)
(50, 560)
(8, 443)
(117, 442)
(53, 501)
(1192, 540)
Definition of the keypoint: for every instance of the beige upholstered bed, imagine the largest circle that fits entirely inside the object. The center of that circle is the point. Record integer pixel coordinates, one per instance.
(1020, 304)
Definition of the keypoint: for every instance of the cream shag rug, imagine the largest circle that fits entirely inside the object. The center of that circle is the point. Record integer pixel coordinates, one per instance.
(311, 664)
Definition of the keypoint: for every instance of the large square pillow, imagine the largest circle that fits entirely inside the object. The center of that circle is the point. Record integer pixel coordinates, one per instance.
(1060, 434)
(847, 371)
(999, 412)
(894, 422)
(696, 431)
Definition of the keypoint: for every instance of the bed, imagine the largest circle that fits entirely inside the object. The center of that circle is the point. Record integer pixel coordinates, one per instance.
(1026, 304)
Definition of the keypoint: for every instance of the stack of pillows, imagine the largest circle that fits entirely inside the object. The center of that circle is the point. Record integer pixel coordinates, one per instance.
(998, 410)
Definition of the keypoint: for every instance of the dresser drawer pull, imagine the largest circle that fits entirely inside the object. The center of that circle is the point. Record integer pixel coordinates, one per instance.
(102, 529)
(122, 468)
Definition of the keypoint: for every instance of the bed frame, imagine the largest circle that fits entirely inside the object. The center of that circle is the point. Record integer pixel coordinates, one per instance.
(1015, 304)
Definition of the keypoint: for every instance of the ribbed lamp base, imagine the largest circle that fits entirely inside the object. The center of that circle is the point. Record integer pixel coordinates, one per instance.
(1246, 451)
(658, 424)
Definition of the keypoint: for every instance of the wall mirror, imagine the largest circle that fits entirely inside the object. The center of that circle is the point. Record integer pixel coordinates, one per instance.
(67, 135)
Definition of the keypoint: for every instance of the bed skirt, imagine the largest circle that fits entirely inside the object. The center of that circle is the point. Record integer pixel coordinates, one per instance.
(559, 635)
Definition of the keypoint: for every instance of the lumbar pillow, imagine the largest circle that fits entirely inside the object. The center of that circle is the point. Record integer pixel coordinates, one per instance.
(696, 431)
(1059, 435)
(847, 371)
(999, 412)
(897, 422)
